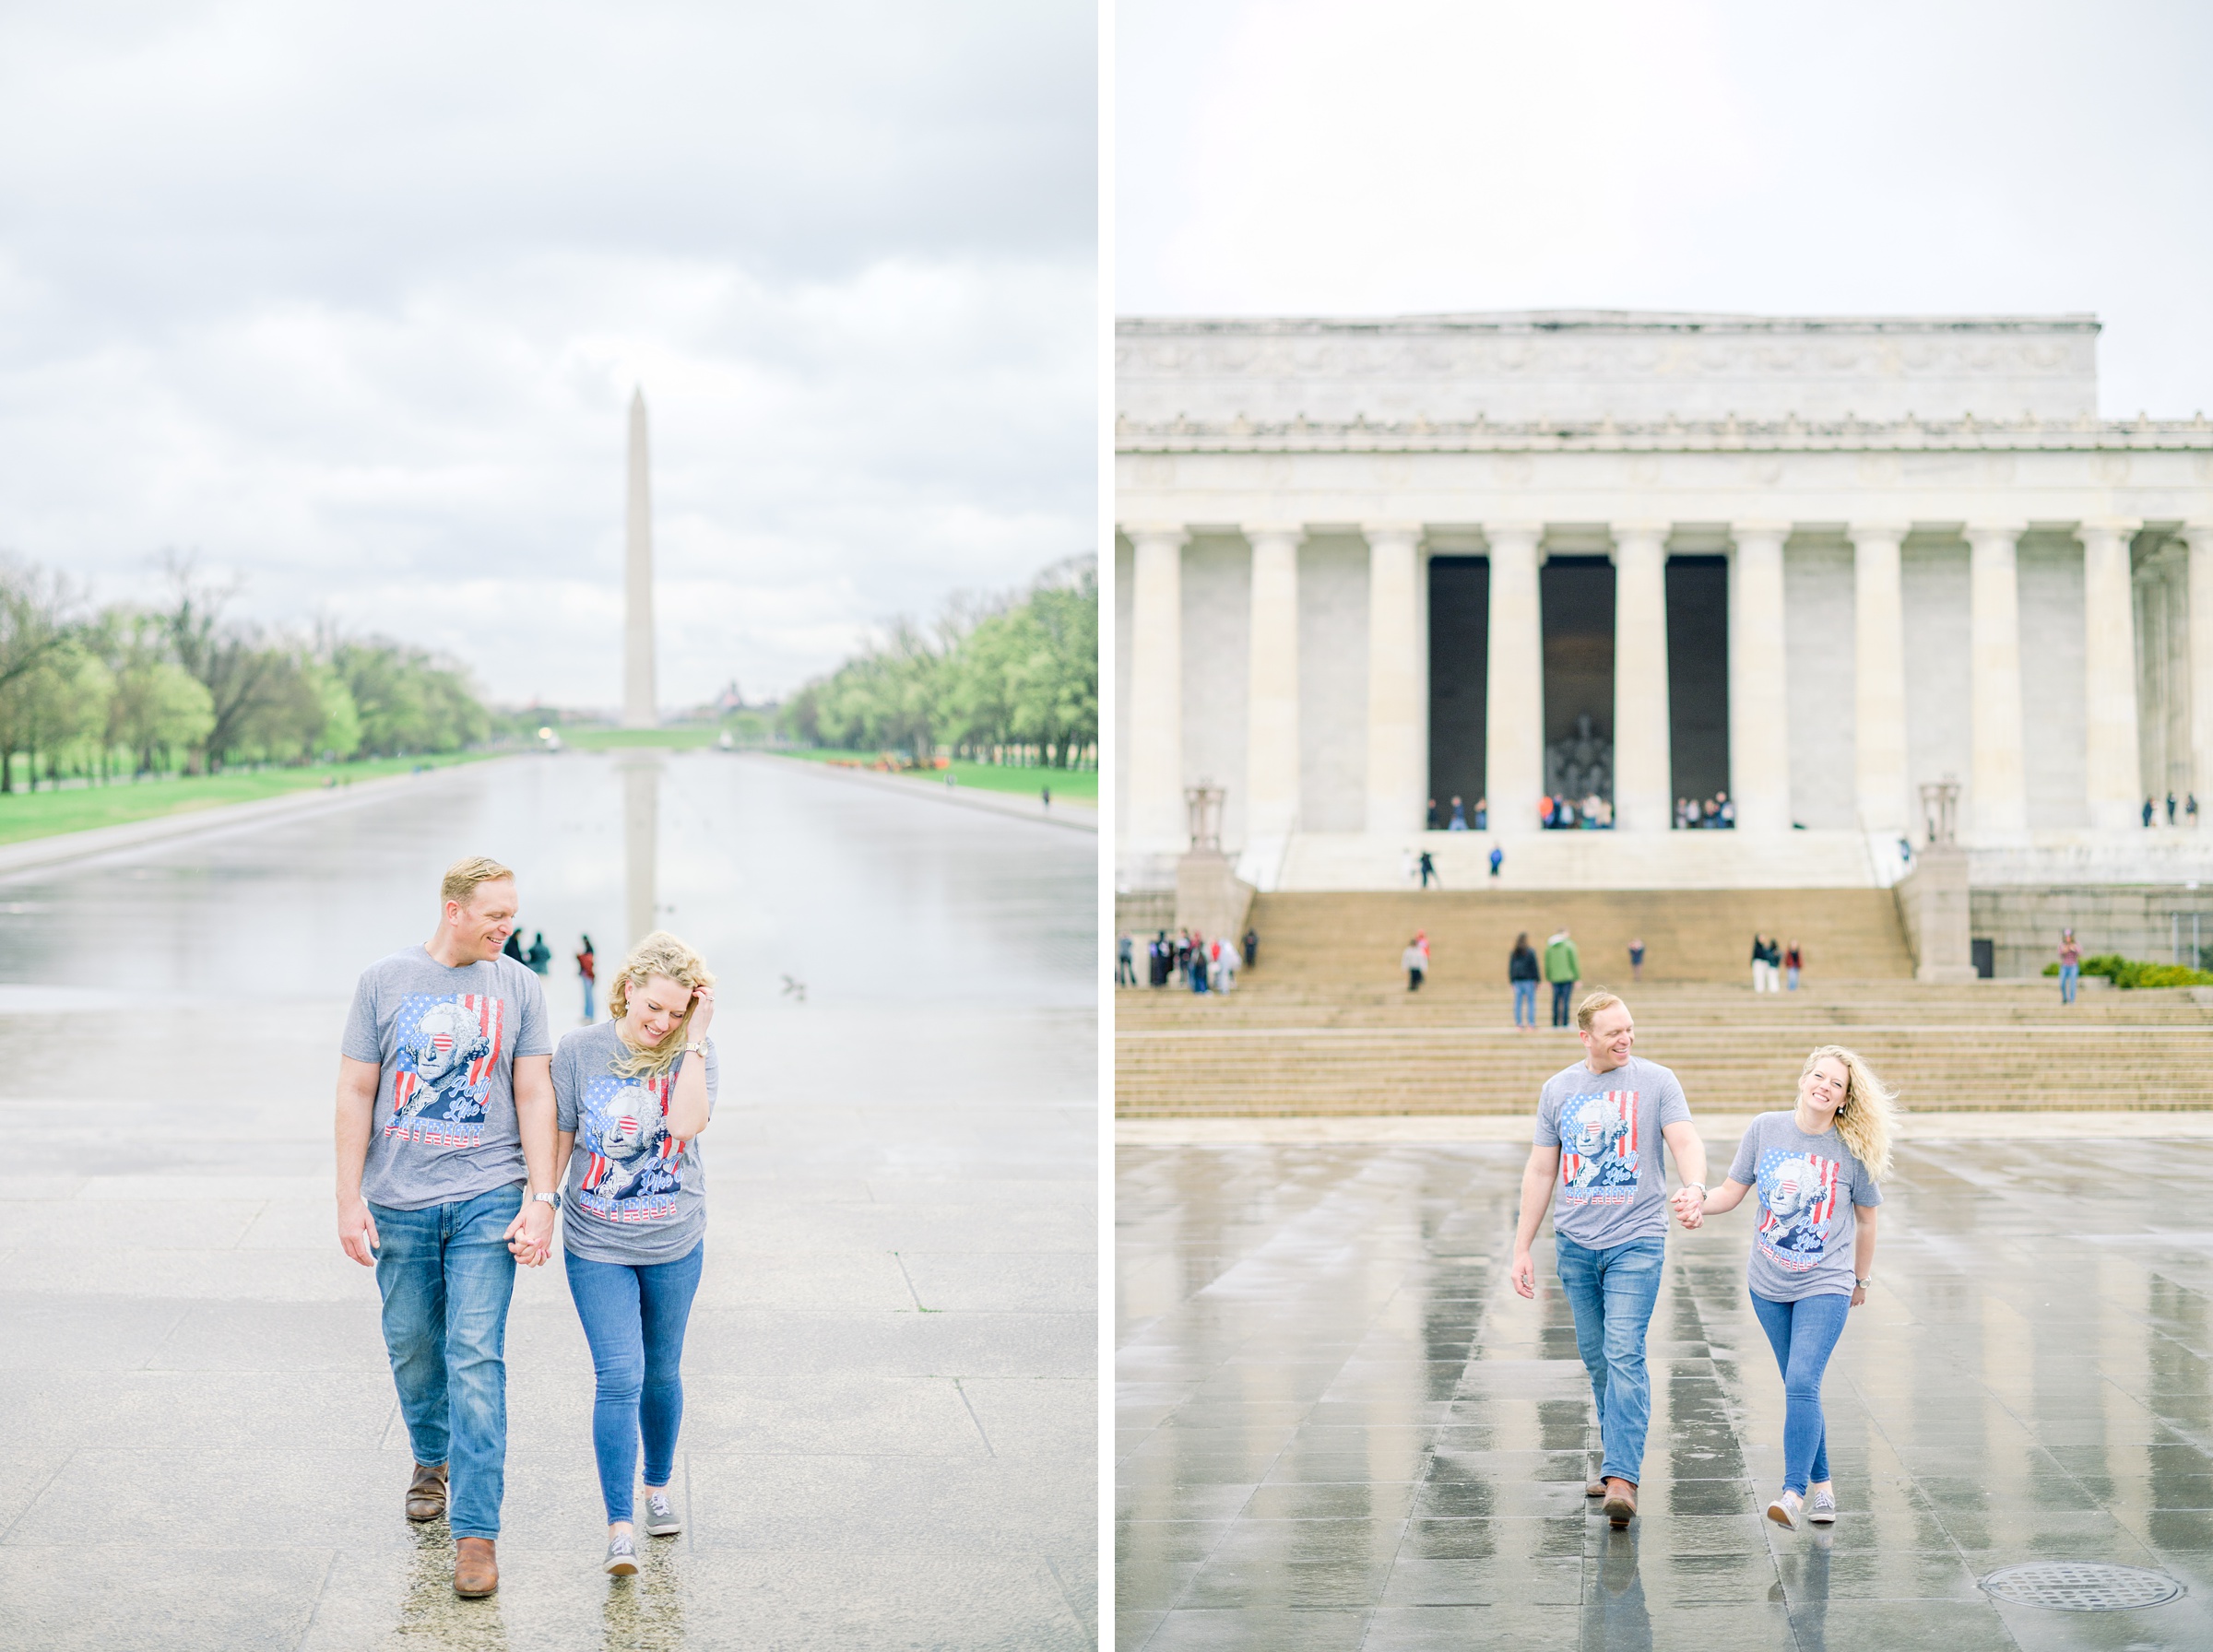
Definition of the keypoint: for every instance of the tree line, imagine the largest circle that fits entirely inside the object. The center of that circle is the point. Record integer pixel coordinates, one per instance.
(1012, 679)
(126, 691)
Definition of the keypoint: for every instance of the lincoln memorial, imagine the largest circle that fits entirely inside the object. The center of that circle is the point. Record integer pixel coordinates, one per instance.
(1827, 566)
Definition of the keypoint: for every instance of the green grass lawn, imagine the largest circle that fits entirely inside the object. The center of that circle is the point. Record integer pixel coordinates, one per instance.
(25, 815)
(608, 739)
(1077, 785)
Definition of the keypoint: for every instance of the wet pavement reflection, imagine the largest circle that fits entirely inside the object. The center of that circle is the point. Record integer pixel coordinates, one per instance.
(890, 1417)
(1340, 1428)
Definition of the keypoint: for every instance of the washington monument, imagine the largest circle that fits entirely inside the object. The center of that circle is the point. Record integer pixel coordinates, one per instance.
(638, 710)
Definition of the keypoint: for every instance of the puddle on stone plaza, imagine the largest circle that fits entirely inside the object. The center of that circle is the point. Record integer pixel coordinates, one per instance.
(1339, 1426)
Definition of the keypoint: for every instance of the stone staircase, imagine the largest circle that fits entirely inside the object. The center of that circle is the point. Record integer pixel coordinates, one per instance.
(1325, 1025)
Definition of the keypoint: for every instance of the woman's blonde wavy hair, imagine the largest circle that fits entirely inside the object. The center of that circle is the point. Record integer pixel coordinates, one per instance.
(1868, 1119)
(659, 953)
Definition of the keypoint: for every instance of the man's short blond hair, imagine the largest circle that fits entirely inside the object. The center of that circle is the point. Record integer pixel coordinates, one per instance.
(463, 878)
(1587, 1011)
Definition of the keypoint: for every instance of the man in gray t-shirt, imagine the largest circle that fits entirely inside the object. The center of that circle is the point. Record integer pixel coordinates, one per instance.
(444, 1123)
(1597, 1149)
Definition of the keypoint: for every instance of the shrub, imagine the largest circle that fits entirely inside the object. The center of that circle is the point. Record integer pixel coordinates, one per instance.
(2126, 972)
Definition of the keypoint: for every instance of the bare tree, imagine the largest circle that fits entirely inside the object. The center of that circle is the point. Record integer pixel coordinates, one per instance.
(242, 676)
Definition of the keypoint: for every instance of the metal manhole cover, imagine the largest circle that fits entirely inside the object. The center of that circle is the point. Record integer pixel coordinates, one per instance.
(2076, 1585)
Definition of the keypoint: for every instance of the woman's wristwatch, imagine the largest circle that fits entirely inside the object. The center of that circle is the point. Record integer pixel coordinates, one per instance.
(1863, 1283)
(546, 1199)
(696, 1047)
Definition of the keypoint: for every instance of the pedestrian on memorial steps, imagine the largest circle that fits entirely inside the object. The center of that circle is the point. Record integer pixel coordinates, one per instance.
(1414, 962)
(1819, 1170)
(1429, 817)
(1195, 964)
(2169, 809)
(1125, 961)
(1225, 965)
(588, 971)
(1636, 957)
(1562, 968)
(1497, 859)
(1792, 962)
(634, 1095)
(1460, 817)
(1429, 870)
(1522, 972)
(1597, 1151)
(540, 956)
(1760, 963)
(445, 1182)
(1252, 948)
(2147, 812)
(1483, 814)
(513, 948)
(1728, 812)
(2070, 966)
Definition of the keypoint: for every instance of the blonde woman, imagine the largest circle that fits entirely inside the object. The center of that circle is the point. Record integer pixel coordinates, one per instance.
(1819, 1170)
(633, 1095)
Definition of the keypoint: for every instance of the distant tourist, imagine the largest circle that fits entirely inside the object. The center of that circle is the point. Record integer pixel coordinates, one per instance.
(2169, 809)
(1460, 817)
(1562, 968)
(1483, 814)
(1428, 864)
(1225, 965)
(1252, 948)
(1522, 973)
(1819, 1170)
(1195, 964)
(514, 949)
(1125, 961)
(588, 971)
(1764, 955)
(1725, 811)
(1429, 817)
(444, 1140)
(2070, 966)
(540, 956)
(1415, 963)
(634, 1096)
(1497, 859)
(1793, 961)
(1045, 796)
(1597, 1149)
(2147, 814)
(1163, 959)
(1636, 959)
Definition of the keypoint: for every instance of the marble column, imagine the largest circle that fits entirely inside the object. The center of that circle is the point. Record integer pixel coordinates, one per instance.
(1156, 745)
(1760, 727)
(1272, 707)
(2115, 791)
(1643, 770)
(1398, 769)
(1998, 794)
(1879, 638)
(2198, 577)
(1514, 687)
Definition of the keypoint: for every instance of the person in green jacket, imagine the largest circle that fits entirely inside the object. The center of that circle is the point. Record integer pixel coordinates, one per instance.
(1562, 968)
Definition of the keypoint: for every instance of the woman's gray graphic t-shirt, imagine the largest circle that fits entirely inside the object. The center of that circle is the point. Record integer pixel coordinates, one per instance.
(1807, 1186)
(1613, 1181)
(633, 1193)
(444, 1129)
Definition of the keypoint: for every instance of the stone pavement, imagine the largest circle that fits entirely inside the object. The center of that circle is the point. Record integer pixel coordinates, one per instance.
(890, 1421)
(1340, 1428)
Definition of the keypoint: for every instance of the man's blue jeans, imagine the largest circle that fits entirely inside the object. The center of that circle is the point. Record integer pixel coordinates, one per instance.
(1562, 992)
(1803, 1334)
(1612, 1293)
(447, 1277)
(1525, 1003)
(634, 1318)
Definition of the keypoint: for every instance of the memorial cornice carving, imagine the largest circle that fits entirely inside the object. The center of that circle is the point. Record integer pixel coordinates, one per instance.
(1726, 435)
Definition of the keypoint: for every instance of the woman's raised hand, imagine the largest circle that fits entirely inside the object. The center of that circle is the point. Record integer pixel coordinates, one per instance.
(703, 1010)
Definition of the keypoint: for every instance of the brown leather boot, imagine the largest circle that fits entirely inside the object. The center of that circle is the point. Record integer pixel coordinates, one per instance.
(476, 1568)
(1621, 1502)
(426, 1493)
(1596, 1488)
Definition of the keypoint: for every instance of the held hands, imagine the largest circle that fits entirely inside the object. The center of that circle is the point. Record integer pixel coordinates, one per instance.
(530, 1235)
(1691, 1207)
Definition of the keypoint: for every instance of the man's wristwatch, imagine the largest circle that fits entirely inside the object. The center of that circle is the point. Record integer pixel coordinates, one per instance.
(545, 1198)
(1699, 1185)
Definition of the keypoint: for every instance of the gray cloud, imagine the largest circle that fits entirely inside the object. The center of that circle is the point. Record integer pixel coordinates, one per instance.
(351, 298)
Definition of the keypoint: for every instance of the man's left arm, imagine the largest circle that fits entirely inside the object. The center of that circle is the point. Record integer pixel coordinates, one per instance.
(1689, 1149)
(530, 1235)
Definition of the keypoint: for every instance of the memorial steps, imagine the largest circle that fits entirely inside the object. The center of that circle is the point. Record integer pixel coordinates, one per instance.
(1316, 861)
(1326, 1026)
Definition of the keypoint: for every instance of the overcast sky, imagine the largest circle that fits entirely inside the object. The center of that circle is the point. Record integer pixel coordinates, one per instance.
(351, 298)
(1311, 157)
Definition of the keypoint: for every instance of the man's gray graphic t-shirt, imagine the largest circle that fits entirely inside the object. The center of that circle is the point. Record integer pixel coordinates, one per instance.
(633, 1193)
(444, 1128)
(1612, 1181)
(1807, 1186)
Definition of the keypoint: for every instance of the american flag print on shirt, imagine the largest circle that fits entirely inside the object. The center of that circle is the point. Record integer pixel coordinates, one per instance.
(1797, 1201)
(447, 1049)
(634, 1168)
(1599, 1148)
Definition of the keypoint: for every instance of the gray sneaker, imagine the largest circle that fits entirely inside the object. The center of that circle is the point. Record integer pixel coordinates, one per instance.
(660, 1518)
(1822, 1510)
(621, 1557)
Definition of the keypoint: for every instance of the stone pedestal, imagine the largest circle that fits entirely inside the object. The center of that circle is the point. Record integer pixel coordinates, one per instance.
(1210, 899)
(1932, 905)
